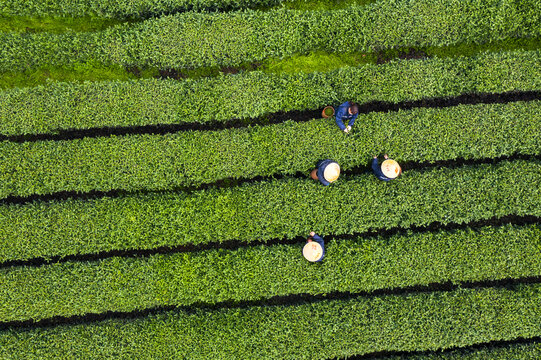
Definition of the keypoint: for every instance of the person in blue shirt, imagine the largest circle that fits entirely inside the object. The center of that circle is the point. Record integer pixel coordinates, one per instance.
(327, 171)
(348, 111)
(314, 249)
(388, 170)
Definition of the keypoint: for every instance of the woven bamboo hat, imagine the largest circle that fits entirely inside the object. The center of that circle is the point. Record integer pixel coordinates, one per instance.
(332, 172)
(312, 251)
(390, 168)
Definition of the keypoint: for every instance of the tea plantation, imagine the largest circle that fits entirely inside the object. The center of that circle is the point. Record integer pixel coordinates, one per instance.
(155, 193)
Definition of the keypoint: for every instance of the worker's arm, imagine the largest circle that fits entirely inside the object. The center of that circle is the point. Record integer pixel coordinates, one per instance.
(319, 240)
(340, 113)
(377, 170)
(322, 178)
(352, 121)
(321, 170)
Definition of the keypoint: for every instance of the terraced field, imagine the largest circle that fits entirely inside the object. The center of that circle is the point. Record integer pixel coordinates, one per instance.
(155, 191)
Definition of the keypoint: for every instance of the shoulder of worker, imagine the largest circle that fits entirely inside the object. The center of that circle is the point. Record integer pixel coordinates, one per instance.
(323, 164)
(322, 180)
(377, 170)
(343, 107)
(318, 238)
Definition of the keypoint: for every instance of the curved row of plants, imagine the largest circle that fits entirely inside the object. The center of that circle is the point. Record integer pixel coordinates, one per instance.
(61, 106)
(256, 273)
(521, 349)
(229, 39)
(187, 159)
(324, 329)
(123, 9)
(267, 210)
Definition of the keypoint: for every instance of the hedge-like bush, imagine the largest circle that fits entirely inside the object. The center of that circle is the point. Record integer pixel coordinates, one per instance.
(193, 40)
(214, 276)
(270, 210)
(320, 330)
(123, 9)
(496, 352)
(60, 106)
(158, 162)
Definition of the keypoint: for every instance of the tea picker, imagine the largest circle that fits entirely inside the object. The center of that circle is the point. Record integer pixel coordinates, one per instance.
(327, 171)
(389, 169)
(314, 250)
(348, 111)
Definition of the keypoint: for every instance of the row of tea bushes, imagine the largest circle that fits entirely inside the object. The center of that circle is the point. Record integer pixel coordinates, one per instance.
(362, 264)
(61, 106)
(267, 210)
(521, 349)
(192, 40)
(123, 9)
(193, 158)
(321, 329)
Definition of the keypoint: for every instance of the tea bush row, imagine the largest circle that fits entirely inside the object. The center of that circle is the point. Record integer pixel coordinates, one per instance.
(192, 40)
(61, 106)
(516, 350)
(123, 9)
(322, 330)
(255, 273)
(266, 210)
(186, 159)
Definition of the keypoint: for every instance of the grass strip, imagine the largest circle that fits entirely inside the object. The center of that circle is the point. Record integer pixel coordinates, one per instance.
(351, 265)
(78, 72)
(276, 209)
(229, 39)
(62, 106)
(53, 24)
(318, 330)
(193, 158)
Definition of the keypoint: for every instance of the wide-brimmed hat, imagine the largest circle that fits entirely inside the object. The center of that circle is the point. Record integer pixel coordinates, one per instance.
(331, 172)
(390, 168)
(312, 251)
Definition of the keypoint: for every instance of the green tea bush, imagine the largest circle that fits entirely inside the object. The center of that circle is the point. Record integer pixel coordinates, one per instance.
(192, 40)
(495, 352)
(186, 159)
(363, 264)
(123, 9)
(317, 330)
(267, 210)
(61, 106)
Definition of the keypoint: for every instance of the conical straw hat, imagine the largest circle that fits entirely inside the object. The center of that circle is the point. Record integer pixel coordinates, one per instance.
(390, 168)
(312, 251)
(332, 171)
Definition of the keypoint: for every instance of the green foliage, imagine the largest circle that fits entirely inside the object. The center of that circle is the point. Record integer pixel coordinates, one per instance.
(59, 106)
(123, 9)
(322, 4)
(315, 61)
(363, 264)
(320, 330)
(51, 24)
(86, 71)
(473, 49)
(229, 39)
(158, 162)
(266, 210)
(495, 352)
